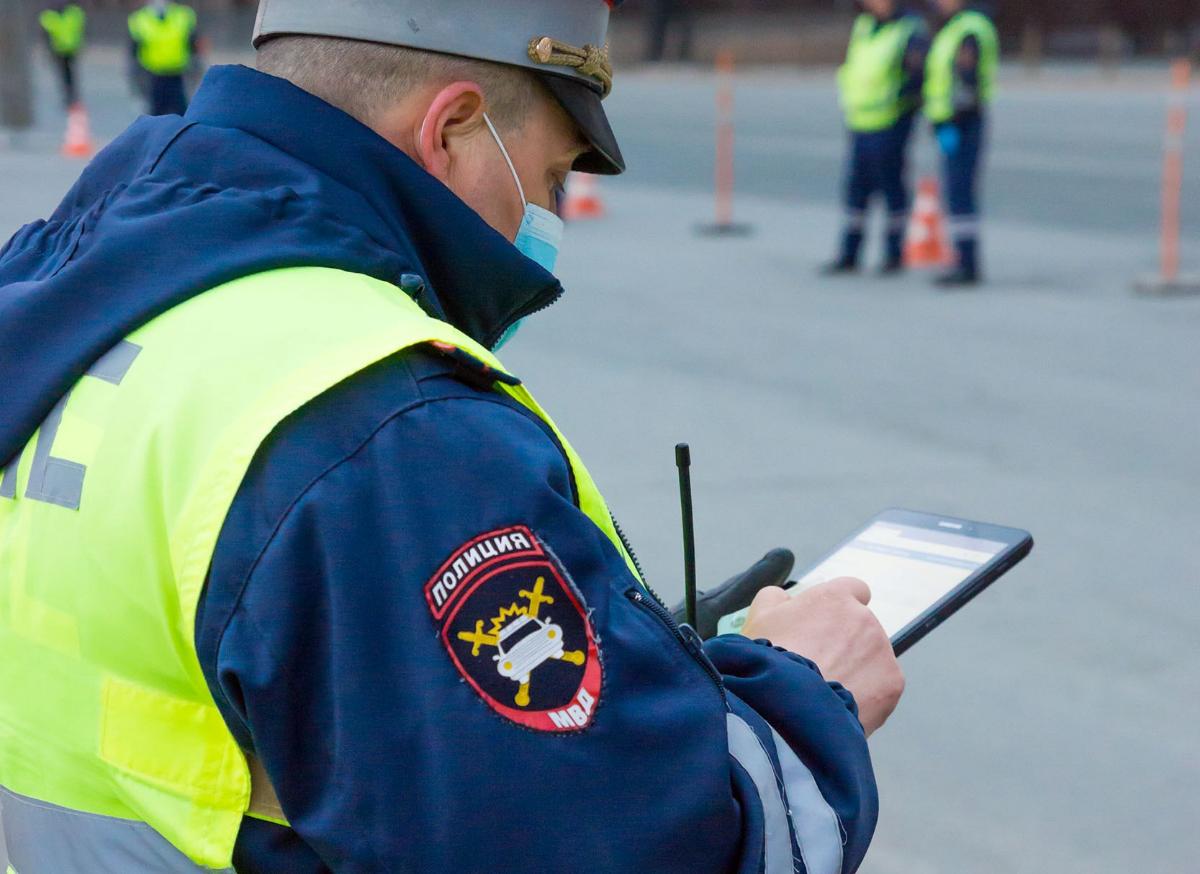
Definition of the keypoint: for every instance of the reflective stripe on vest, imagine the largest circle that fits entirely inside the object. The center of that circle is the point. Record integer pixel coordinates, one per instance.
(870, 80)
(164, 44)
(108, 522)
(940, 74)
(65, 29)
(44, 838)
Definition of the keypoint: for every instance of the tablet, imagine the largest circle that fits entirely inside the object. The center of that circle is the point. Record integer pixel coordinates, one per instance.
(921, 568)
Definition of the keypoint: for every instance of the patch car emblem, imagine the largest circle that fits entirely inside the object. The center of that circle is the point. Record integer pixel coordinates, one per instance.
(518, 631)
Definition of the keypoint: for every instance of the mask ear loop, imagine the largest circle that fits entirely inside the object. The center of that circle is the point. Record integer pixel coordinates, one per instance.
(507, 159)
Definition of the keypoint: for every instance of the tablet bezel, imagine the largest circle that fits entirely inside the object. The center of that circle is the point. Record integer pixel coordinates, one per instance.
(1018, 544)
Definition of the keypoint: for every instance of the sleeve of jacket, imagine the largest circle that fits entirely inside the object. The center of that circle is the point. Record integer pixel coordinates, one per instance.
(813, 732)
(387, 754)
(966, 76)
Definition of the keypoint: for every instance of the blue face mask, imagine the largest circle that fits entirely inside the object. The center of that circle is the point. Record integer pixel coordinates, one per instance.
(541, 232)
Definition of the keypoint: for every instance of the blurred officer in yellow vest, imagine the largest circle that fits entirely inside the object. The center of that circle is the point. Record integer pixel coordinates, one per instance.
(880, 86)
(64, 25)
(960, 82)
(163, 46)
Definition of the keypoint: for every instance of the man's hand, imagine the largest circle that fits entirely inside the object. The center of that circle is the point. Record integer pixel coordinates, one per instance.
(737, 592)
(831, 625)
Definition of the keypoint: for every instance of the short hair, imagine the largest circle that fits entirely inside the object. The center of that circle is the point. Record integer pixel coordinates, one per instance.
(364, 78)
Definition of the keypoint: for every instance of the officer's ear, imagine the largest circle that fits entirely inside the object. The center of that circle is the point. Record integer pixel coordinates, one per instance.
(453, 120)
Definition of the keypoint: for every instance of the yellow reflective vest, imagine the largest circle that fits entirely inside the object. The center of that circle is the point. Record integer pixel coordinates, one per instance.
(114, 758)
(939, 66)
(65, 28)
(164, 43)
(872, 77)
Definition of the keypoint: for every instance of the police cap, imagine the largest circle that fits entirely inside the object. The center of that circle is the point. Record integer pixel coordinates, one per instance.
(563, 41)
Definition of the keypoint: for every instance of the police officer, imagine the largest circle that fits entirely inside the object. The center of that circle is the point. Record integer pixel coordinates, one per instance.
(960, 82)
(163, 46)
(664, 17)
(880, 85)
(297, 576)
(64, 25)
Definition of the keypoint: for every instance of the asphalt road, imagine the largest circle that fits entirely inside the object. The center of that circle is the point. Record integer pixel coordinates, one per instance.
(1051, 726)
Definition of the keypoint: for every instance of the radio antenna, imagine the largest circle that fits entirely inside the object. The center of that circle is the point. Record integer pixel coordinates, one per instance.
(683, 460)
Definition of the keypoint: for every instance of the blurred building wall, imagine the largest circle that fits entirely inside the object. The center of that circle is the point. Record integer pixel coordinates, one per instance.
(795, 31)
(1059, 27)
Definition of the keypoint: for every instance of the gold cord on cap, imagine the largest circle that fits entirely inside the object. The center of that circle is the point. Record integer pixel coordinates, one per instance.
(589, 61)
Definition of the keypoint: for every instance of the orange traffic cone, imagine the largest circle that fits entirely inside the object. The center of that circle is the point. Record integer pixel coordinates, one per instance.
(78, 142)
(926, 245)
(583, 198)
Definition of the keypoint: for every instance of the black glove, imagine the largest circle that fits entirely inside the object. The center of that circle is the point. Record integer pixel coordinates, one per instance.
(737, 591)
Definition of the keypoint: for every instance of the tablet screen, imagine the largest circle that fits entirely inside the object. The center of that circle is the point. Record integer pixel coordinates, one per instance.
(908, 568)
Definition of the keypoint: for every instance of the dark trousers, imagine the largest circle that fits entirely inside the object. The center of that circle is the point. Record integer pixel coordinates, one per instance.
(66, 72)
(878, 165)
(167, 96)
(664, 14)
(961, 173)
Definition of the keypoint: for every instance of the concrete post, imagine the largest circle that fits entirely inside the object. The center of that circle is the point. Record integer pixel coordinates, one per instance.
(1112, 44)
(1032, 42)
(16, 80)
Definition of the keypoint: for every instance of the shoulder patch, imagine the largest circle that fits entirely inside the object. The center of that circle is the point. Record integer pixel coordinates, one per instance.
(518, 631)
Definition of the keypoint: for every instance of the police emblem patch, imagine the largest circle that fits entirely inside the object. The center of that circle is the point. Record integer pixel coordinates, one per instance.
(517, 630)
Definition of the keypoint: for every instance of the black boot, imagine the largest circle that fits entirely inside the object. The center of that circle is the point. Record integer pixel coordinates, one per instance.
(840, 267)
(967, 272)
(893, 255)
(957, 278)
(847, 261)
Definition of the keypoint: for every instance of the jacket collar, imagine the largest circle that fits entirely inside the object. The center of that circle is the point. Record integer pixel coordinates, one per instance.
(474, 277)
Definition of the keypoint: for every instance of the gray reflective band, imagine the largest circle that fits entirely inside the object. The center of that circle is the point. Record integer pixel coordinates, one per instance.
(54, 480)
(818, 831)
(8, 479)
(964, 226)
(57, 480)
(745, 747)
(115, 363)
(47, 839)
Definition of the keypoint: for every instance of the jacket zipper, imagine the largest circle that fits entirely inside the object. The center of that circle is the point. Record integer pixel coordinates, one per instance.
(633, 556)
(685, 634)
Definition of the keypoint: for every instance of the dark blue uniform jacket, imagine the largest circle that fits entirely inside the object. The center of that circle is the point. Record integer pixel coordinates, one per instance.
(315, 631)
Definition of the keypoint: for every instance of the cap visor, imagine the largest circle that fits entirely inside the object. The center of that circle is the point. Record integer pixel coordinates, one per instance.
(584, 106)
